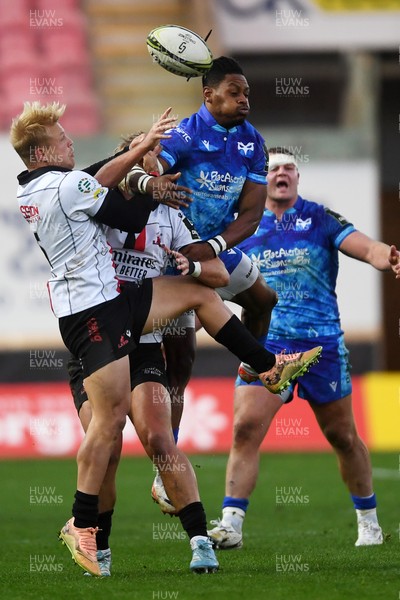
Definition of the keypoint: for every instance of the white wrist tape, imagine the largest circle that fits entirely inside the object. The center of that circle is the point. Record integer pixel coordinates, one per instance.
(160, 168)
(142, 183)
(197, 269)
(218, 244)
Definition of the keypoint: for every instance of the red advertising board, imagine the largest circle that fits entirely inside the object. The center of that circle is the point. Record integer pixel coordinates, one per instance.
(39, 420)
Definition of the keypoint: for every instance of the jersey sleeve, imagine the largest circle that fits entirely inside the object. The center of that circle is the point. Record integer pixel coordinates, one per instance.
(183, 230)
(81, 194)
(258, 166)
(338, 228)
(177, 145)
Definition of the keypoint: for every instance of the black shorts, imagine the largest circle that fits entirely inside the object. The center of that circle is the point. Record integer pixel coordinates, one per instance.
(146, 364)
(106, 332)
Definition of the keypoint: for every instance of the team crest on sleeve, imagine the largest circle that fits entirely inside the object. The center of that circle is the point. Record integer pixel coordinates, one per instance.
(86, 186)
(99, 193)
(246, 149)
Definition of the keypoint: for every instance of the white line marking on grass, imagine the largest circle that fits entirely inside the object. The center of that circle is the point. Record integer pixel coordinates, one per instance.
(379, 473)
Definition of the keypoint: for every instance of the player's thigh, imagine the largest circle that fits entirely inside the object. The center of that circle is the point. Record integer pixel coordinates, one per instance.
(254, 409)
(108, 390)
(335, 417)
(173, 295)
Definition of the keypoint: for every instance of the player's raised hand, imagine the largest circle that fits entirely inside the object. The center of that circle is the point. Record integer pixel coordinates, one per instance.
(159, 127)
(394, 260)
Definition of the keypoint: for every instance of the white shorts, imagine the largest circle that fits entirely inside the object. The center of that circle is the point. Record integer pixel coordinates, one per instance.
(242, 273)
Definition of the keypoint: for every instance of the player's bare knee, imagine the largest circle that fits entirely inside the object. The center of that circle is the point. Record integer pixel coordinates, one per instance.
(244, 432)
(159, 443)
(341, 439)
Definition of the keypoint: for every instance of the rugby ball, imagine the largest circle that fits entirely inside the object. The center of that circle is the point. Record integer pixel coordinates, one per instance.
(179, 51)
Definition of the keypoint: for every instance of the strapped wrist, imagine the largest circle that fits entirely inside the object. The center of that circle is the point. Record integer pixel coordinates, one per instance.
(218, 244)
(194, 267)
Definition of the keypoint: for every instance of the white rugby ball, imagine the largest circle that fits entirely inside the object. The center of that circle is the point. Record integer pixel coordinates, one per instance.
(179, 50)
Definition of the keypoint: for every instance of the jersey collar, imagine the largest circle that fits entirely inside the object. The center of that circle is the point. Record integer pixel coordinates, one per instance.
(27, 176)
(209, 120)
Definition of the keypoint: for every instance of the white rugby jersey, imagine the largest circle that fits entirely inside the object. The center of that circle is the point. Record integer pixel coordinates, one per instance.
(58, 205)
(139, 256)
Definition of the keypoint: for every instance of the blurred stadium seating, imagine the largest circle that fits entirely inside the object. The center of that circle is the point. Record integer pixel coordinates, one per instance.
(44, 55)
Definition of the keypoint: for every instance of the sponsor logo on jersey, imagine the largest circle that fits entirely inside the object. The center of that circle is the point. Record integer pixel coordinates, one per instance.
(183, 134)
(157, 241)
(218, 182)
(246, 149)
(282, 258)
(86, 186)
(30, 213)
(128, 258)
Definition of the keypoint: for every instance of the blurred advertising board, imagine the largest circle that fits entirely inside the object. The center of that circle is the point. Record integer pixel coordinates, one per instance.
(308, 25)
(39, 420)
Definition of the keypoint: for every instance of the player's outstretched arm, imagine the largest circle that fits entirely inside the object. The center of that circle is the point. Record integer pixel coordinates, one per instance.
(115, 170)
(361, 247)
(251, 208)
(210, 272)
(164, 188)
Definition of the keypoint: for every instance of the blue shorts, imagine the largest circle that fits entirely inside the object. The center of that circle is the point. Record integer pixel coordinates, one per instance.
(327, 380)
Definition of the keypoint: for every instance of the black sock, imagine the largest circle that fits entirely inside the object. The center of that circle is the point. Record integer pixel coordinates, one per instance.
(234, 336)
(104, 524)
(85, 509)
(193, 519)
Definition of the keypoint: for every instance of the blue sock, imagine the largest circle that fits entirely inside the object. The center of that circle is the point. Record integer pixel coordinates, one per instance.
(242, 503)
(365, 503)
(176, 434)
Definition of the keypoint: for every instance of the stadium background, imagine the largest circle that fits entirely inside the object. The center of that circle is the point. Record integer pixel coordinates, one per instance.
(324, 79)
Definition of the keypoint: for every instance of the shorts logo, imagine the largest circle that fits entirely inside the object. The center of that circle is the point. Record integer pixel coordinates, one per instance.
(123, 341)
(333, 385)
(93, 329)
(86, 186)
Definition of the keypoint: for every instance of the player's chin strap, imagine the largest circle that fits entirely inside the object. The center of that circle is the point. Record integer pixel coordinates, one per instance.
(218, 244)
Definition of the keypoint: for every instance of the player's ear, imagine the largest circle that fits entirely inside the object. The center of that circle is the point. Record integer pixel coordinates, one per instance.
(207, 94)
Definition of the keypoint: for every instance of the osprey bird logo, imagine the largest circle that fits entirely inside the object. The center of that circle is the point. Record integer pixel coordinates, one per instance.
(245, 148)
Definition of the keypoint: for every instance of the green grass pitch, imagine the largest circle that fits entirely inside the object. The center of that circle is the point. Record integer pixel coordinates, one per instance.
(298, 544)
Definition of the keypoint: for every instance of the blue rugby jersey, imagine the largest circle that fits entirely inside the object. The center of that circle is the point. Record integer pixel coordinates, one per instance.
(215, 163)
(298, 258)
